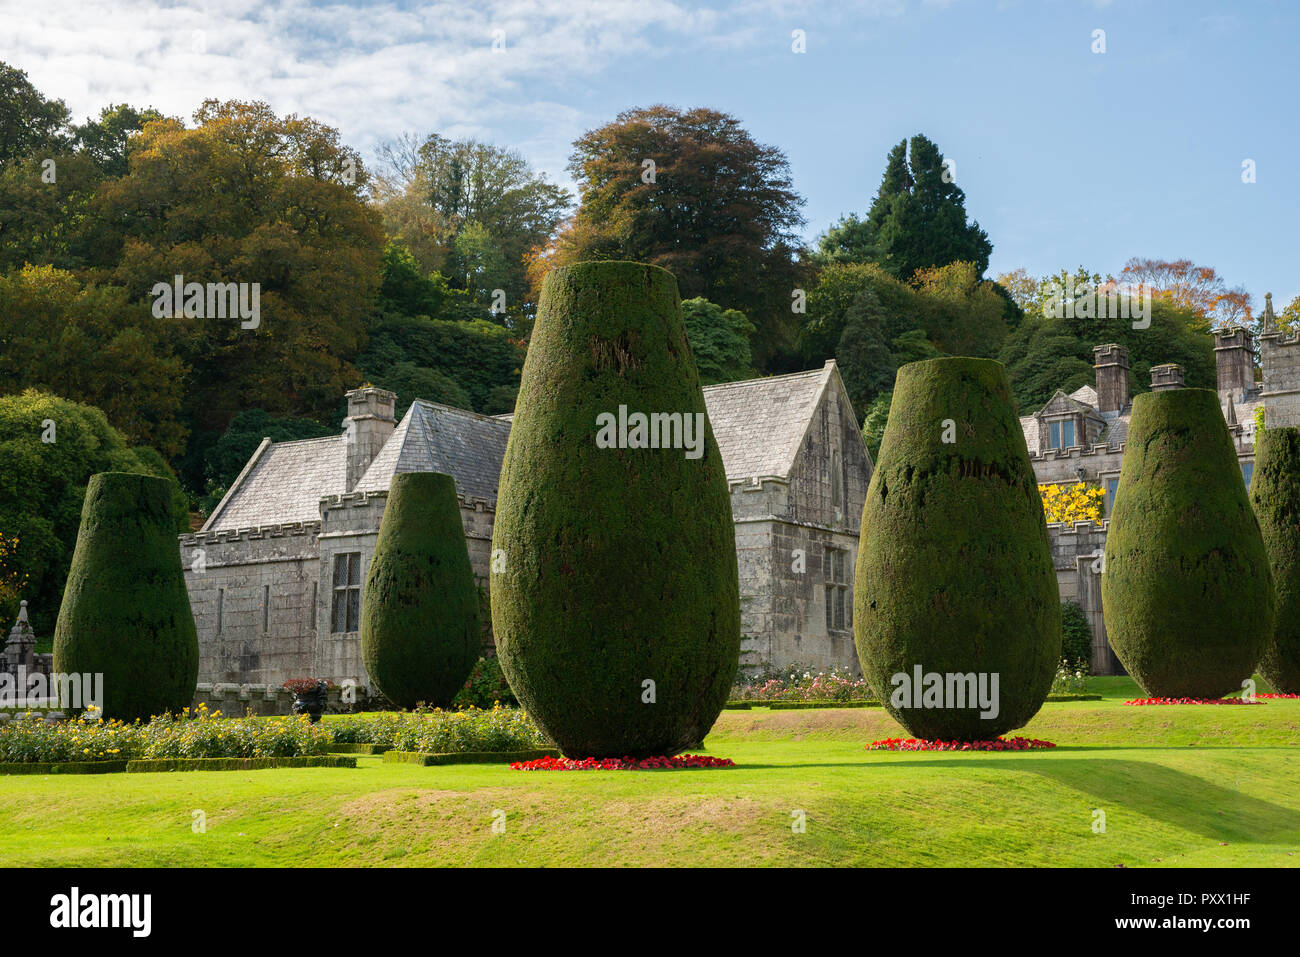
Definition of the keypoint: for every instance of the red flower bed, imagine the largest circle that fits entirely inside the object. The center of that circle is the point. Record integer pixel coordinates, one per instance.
(1001, 744)
(1144, 701)
(623, 764)
(1277, 695)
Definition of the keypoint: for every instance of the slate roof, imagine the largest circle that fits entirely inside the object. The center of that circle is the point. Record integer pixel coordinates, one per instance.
(759, 425)
(438, 438)
(283, 482)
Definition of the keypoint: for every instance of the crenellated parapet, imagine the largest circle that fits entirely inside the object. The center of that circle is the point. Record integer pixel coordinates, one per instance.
(228, 536)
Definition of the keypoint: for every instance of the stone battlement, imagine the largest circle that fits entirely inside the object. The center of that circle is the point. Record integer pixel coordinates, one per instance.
(1075, 452)
(228, 535)
(1062, 530)
(366, 499)
(236, 700)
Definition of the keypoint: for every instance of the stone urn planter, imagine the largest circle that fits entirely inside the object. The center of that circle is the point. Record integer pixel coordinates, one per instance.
(309, 695)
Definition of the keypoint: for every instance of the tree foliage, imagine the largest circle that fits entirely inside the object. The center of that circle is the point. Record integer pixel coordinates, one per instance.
(719, 340)
(916, 221)
(716, 208)
(50, 447)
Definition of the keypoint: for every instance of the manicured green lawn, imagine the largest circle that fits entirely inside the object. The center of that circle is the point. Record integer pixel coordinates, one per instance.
(1180, 786)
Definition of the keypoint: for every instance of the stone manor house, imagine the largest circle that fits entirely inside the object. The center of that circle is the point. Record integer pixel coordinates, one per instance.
(1080, 437)
(275, 575)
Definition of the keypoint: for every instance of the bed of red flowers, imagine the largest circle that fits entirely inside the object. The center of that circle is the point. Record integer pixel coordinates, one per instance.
(918, 744)
(1145, 701)
(1277, 695)
(624, 764)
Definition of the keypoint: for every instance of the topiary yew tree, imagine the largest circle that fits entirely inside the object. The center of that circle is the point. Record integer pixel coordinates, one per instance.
(954, 574)
(616, 602)
(1186, 589)
(1275, 493)
(420, 635)
(126, 612)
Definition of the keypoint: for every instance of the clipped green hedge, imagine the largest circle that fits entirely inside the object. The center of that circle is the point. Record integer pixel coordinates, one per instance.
(799, 705)
(619, 562)
(954, 571)
(357, 748)
(1275, 494)
(126, 613)
(149, 765)
(1187, 591)
(63, 767)
(420, 634)
(1073, 697)
(425, 759)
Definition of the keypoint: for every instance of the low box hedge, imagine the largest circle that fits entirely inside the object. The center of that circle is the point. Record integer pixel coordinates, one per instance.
(1073, 697)
(777, 705)
(358, 748)
(426, 759)
(62, 767)
(148, 765)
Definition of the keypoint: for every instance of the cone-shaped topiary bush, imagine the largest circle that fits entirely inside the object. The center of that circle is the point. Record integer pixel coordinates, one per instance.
(420, 635)
(126, 613)
(955, 598)
(1275, 493)
(615, 599)
(1186, 588)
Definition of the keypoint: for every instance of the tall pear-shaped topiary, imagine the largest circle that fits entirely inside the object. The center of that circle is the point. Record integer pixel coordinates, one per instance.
(1186, 589)
(126, 612)
(420, 634)
(957, 615)
(615, 599)
(1275, 493)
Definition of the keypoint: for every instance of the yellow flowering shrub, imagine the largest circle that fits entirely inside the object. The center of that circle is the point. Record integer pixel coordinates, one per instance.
(1067, 503)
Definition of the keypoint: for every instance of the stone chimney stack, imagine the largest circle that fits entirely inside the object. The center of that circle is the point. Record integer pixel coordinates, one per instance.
(369, 423)
(1111, 362)
(1234, 357)
(1167, 376)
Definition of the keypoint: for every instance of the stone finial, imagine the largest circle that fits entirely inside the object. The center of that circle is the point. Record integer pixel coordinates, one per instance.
(20, 648)
(1268, 322)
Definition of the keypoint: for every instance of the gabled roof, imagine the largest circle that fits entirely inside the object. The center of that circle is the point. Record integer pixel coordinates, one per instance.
(759, 425)
(1061, 403)
(438, 438)
(283, 482)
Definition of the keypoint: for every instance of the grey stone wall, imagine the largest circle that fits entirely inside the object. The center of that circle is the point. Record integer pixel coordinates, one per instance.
(1280, 359)
(783, 530)
(1062, 465)
(292, 566)
(251, 594)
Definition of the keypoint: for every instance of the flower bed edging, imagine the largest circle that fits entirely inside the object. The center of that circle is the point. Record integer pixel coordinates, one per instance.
(426, 759)
(677, 762)
(153, 765)
(1157, 701)
(62, 767)
(999, 744)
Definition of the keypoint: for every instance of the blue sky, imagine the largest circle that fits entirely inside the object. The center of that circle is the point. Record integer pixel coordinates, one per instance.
(1067, 156)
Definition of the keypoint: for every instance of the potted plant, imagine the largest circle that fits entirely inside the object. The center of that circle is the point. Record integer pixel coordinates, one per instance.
(308, 696)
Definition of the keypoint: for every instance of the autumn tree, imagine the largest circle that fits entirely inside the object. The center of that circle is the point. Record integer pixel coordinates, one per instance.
(1199, 288)
(693, 192)
(246, 196)
(93, 345)
(916, 221)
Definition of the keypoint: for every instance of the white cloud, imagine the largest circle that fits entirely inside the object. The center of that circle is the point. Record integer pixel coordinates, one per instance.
(375, 69)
